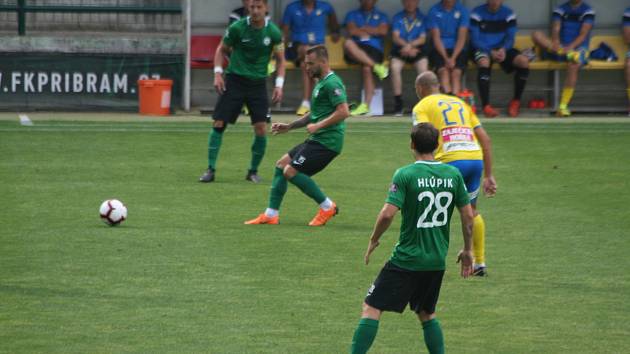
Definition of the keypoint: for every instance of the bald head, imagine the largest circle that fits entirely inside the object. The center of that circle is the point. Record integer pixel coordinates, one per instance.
(427, 84)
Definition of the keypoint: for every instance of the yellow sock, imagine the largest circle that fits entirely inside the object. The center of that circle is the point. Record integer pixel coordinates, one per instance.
(479, 240)
(567, 94)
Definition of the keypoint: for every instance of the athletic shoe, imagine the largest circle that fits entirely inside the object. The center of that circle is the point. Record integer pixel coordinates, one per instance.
(253, 177)
(303, 110)
(381, 71)
(563, 111)
(263, 219)
(361, 110)
(490, 112)
(398, 109)
(398, 113)
(577, 57)
(207, 177)
(514, 108)
(323, 216)
(245, 111)
(480, 272)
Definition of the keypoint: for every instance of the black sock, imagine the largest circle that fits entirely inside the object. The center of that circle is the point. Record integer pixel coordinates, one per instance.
(483, 82)
(398, 103)
(520, 79)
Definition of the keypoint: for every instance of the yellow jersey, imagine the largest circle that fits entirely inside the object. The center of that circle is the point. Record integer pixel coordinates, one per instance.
(455, 121)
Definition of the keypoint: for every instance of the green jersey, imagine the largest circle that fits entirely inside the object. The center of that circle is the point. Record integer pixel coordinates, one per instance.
(251, 48)
(426, 193)
(327, 95)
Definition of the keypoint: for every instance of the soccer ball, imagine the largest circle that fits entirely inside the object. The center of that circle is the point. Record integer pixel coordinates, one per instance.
(113, 212)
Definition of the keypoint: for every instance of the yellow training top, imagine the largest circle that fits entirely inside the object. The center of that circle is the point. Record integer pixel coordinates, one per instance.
(455, 121)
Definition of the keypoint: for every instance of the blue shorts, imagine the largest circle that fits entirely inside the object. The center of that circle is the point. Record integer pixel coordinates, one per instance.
(471, 170)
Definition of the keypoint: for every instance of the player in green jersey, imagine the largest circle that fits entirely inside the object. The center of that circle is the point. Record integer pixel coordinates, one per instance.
(426, 192)
(326, 127)
(249, 43)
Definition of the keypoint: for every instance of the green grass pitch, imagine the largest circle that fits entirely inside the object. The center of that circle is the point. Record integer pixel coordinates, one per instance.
(183, 274)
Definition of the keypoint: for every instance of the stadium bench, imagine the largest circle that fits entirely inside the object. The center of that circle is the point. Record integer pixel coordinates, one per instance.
(202, 48)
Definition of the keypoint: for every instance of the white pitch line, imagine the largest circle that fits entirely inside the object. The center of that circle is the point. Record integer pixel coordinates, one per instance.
(25, 120)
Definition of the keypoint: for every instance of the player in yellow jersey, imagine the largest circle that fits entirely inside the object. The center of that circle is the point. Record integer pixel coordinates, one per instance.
(463, 143)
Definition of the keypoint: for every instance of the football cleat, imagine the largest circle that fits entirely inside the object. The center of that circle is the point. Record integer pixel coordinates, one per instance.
(381, 71)
(480, 272)
(263, 219)
(207, 177)
(489, 111)
(514, 108)
(253, 177)
(303, 110)
(323, 216)
(563, 111)
(361, 110)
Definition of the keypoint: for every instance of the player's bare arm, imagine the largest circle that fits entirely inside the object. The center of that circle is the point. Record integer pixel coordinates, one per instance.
(333, 27)
(584, 31)
(280, 128)
(489, 183)
(380, 30)
(280, 72)
(383, 221)
(221, 51)
(465, 256)
(355, 31)
(462, 34)
(341, 112)
(555, 35)
(437, 43)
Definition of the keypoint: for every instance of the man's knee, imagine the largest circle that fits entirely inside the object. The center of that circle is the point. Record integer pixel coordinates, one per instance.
(370, 312)
(289, 171)
(424, 317)
(284, 161)
(521, 62)
(349, 44)
(219, 126)
(483, 63)
(260, 129)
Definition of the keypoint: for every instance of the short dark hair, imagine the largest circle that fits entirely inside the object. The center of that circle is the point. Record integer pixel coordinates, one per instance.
(320, 51)
(265, 1)
(425, 138)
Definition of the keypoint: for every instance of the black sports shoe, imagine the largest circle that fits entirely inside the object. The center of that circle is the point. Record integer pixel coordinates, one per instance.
(207, 177)
(480, 272)
(253, 177)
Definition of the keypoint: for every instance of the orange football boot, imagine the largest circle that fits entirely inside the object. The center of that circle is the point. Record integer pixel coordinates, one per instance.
(323, 216)
(264, 219)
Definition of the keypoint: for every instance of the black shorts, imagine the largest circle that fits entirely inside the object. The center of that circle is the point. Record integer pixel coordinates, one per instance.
(438, 62)
(396, 287)
(507, 65)
(371, 52)
(310, 157)
(239, 91)
(424, 53)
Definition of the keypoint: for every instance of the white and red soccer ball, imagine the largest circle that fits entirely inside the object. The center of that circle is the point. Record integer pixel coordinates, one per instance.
(113, 212)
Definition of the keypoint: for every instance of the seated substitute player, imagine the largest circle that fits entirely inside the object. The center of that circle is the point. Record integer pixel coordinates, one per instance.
(426, 193)
(570, 37)
(626, 38)
(409, 46)
(492, 31)
(304, 22)
(326, 127)
(448, 21)
(249, 43)
(464, 144)
(367, 26)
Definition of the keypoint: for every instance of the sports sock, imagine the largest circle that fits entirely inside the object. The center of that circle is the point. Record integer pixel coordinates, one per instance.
(308, 187)
(271, 212)
(479, 239)
(433, 337)
(483, 82)
(520, 79)
(567, 94)
(326, 204)
(278, 189)
(258, 151)
(306, 103)
(214, 145)
(364, 336)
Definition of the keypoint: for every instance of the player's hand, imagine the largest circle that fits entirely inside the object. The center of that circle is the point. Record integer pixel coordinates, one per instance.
(450, 63)
(277, 95)
(279, 128)
(489, 186)
(371, 247)
(219, 84)
(466, 260)
(498, 55)
(312, 128)
(555, 46)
